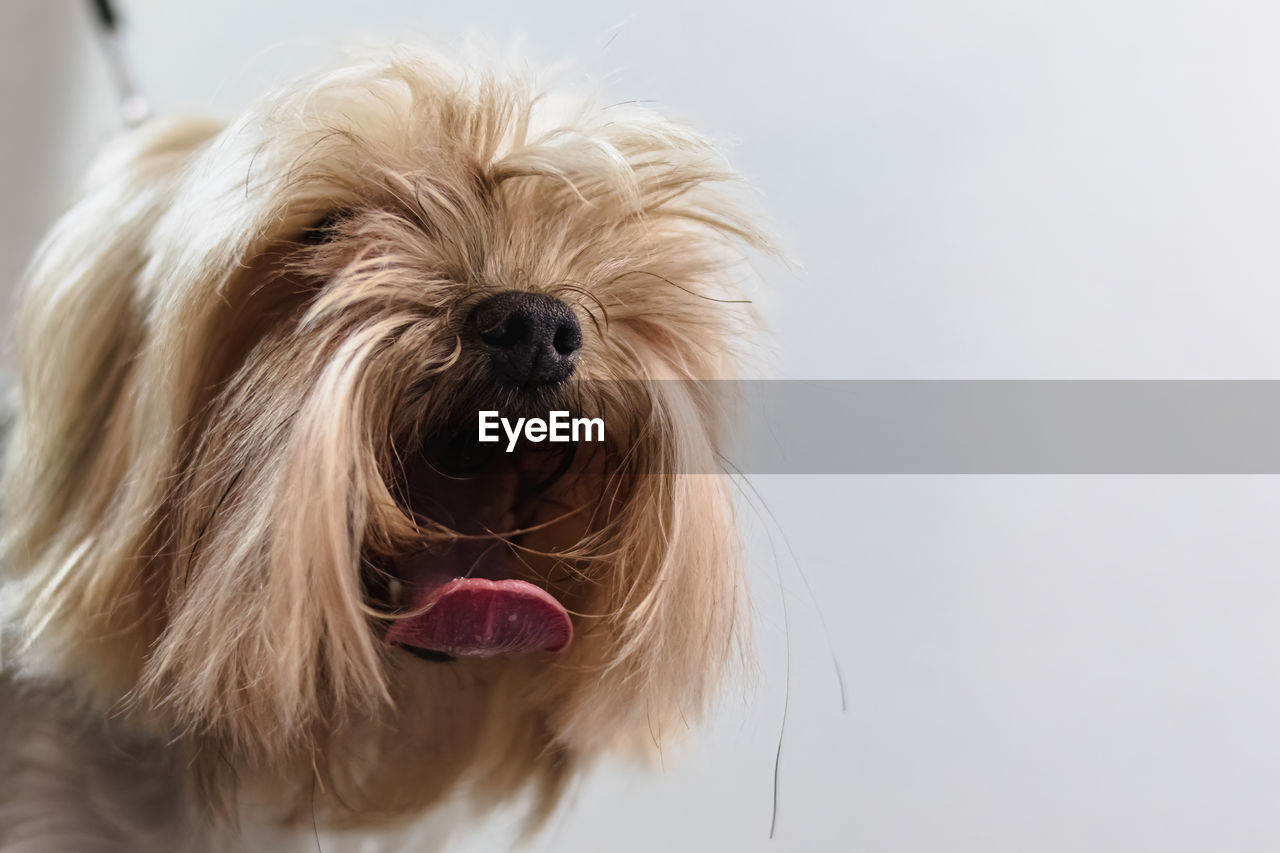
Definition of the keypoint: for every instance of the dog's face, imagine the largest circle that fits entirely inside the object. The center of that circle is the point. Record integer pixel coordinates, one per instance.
(246, 504)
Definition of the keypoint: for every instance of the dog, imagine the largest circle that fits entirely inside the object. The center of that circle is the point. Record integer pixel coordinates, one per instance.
(263, 580)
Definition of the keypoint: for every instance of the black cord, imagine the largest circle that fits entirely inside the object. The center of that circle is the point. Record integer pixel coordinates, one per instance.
(106, 13)
(133, 106)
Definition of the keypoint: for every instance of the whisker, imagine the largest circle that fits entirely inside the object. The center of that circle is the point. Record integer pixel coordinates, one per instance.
(666, 280)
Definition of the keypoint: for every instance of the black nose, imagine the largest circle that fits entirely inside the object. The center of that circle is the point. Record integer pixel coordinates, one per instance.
(532, 338)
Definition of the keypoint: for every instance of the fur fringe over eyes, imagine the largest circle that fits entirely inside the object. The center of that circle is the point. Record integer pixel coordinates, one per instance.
(227, 349)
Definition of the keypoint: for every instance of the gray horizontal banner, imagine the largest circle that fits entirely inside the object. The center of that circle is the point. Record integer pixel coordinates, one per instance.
(1008, 427)
(970, 426)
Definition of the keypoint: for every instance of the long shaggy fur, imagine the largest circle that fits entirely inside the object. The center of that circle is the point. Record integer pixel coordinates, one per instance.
(229, 347)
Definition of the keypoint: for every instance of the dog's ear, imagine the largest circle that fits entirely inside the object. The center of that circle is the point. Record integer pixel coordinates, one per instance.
(80, 328)
(183, 499)
(182, 409)
(665, 610)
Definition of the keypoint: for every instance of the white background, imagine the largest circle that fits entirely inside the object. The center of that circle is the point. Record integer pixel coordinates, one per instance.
(973, 189)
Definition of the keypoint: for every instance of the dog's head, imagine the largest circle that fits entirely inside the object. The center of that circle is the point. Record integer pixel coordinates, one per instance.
(246, 505)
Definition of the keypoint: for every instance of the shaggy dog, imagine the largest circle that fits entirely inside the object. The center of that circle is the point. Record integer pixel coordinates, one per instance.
(262, 578)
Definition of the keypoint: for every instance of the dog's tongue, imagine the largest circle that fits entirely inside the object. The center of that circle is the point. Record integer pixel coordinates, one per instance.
(479, 617)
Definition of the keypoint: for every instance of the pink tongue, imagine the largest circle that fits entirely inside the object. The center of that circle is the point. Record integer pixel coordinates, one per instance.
(475, 616)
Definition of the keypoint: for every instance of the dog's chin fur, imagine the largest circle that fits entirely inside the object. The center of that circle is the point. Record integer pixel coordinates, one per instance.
(231, 350)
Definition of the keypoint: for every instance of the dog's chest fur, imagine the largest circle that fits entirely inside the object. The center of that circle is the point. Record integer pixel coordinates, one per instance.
(73, 781)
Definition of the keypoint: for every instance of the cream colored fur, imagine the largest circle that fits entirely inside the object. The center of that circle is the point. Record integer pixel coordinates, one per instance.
(211, 413)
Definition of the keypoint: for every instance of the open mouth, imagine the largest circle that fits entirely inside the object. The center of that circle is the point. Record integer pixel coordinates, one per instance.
(470, 593)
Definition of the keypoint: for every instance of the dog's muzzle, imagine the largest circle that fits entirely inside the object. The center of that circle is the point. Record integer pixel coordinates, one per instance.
(464, 597)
